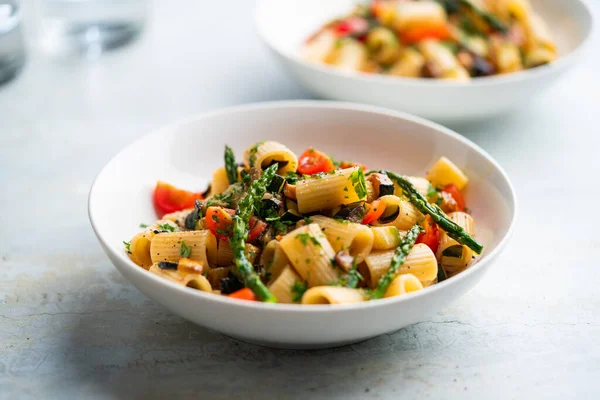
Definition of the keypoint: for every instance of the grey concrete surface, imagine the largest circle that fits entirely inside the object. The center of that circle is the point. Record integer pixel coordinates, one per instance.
(71, 327)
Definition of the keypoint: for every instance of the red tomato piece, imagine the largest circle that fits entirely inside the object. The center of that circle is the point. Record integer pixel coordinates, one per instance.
(431, 236)
(373, 211)
(220, 222)
(454, 191)
(244, 294)
(314, 161)
(355, 26)
(168, 199)
(350, 164)
(257, 227)
(419, 33)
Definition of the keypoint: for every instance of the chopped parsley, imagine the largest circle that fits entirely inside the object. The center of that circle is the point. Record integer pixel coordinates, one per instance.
(298, 289)
(358, 182)
(252, 153)
(305, 237)
(185, 250)
(291, 178)
(142, 225)
(127, 246)
(167, 227)
(307, 220)
(217, 199)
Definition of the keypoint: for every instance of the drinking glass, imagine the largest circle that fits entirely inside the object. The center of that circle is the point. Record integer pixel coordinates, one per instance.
(90, 25)
(12, 48)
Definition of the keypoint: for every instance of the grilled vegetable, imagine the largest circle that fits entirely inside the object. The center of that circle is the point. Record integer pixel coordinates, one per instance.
(382, 185)
(353, 212)
(452, 229)
(231, 284)
(291, 216)
(276, 185)
(167, 265)
(406, 244)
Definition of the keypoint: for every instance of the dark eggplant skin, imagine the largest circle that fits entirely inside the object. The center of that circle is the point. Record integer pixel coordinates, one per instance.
(191, 220)
(231, 284)
(354, 212)
(167, 265)
(382, 184)
(290, 216)
(482, 67)
(276, 185)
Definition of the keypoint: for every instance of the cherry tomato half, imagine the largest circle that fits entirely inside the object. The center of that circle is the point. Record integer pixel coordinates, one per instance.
(168, 199)
(314, 161)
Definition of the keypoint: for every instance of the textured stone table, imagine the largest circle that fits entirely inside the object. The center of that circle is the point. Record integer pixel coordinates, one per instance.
(72, 327)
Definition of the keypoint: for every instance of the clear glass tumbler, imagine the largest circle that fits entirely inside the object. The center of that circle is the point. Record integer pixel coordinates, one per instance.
(85, 26)
(12, 47)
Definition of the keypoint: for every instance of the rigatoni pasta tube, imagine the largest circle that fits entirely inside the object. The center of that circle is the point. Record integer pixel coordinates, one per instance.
(327, 191)
(273, 259)
(403, 284)
(356, 238)
(410, 64)
(310, 253)
(386, 237)
(453, 256)
(350, 55)
(139, 248)
(420, 262)
(438, 55)
(196, 281)
(412, 14)
(444, 172)
(264, 154)
(282, 285)
(332, 295)
(167, 246)
(399, 213)
(219, 182)
(225, 253)
(320, 47)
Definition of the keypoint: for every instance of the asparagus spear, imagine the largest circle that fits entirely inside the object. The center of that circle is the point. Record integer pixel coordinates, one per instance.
(452, 229)
(406, 244)
(245, 207)
(230, 166)
(490, 19)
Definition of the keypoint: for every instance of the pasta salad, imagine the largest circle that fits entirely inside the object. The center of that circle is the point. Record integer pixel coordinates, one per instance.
(444, 39)
(309, 229)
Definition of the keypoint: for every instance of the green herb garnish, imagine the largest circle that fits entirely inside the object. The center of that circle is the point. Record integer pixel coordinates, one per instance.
(298, 289)
(168, 227)
(127, 246)
(185, 250)
(358, 182)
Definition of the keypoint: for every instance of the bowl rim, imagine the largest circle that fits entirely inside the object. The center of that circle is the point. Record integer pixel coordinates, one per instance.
(486, 81)
(304, 104)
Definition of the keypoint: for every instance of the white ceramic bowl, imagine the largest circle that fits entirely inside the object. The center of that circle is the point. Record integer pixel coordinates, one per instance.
(284, 25)
(187, 152)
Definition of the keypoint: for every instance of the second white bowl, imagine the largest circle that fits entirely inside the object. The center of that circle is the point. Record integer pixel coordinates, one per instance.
(284, 25)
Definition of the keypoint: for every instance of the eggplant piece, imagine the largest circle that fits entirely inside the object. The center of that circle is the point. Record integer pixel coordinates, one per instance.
(191, 220)
(281, 164)
(276, 185)
(167, 265)
(231, 284)
(291, 216)
(353, 212)
(382, 185)
(481, 67)
(344, 260)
